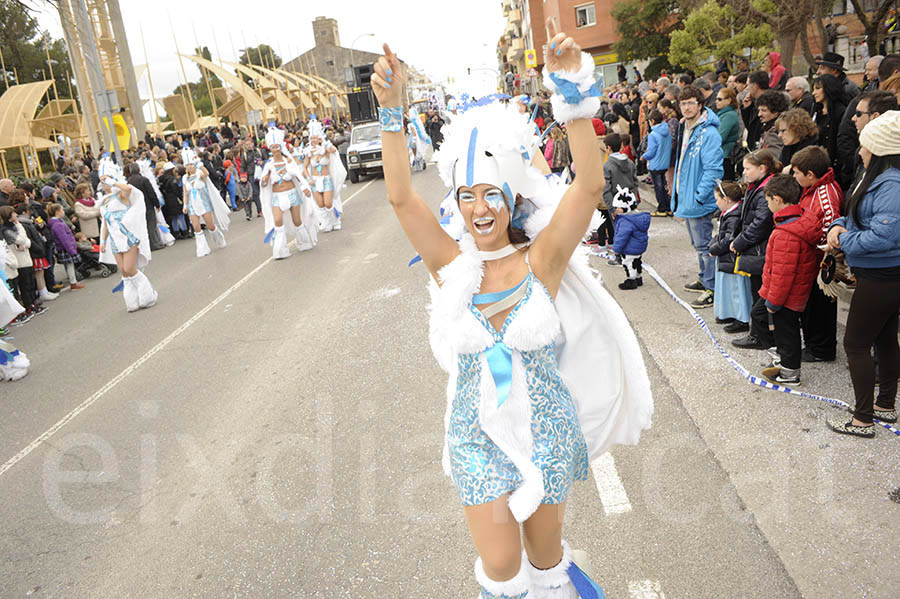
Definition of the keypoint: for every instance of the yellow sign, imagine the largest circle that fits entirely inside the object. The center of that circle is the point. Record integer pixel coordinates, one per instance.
(123, 135)
(609, 58)
(530, 58)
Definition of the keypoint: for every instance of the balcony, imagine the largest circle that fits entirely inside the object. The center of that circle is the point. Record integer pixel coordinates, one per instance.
(507, 6)
(517, 49)
(511, 29)
(515, 16)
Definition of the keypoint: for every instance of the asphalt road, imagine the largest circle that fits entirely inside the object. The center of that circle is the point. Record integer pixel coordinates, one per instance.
(275, 429)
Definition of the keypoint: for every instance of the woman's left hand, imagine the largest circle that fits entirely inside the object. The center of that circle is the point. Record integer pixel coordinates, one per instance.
(562, 53)
(832, 240)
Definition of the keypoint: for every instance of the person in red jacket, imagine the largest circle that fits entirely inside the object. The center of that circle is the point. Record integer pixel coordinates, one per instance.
(788, 277)
(822, 201)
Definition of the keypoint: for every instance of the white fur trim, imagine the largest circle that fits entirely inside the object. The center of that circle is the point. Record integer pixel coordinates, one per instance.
(536, 324)
(583, 78)
(516, 586)
(553, 583)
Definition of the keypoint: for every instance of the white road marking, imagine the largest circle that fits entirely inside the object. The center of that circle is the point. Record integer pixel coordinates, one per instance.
(386, 292)
(612, 493)
(370, 257)
(645, 589)
(137, 363)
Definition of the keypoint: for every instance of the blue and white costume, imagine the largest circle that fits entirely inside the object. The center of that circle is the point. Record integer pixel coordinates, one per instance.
(529, 405)
(286, 170)
(13, 363)
(320, 161)
(419, 142)
(203, 198)
(124, 226)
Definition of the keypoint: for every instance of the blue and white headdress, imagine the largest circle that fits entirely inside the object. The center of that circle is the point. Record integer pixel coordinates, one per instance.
(189, 156)
(316, 129)
(109, 172)
(274, 136)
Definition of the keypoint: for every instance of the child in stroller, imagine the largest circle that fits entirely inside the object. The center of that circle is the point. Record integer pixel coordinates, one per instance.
(90, 258)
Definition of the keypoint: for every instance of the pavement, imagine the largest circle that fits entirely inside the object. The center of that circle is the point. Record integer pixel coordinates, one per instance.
(275, 429)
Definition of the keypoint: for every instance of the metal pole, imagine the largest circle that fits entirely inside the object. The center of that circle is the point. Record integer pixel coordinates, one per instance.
(88, 104)
(127, 66)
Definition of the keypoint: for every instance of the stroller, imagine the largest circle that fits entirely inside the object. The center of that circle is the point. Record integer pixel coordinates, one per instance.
(90, 261)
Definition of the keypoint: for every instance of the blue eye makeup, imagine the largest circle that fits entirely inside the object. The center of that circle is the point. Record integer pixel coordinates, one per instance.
(495, 199)
(466, 196)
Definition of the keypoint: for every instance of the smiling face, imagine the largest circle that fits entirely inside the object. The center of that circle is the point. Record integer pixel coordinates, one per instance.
(486, 214)
(819, 93)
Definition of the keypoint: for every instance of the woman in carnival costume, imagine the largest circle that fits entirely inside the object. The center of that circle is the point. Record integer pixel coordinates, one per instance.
(202, 201)
(419, 142)
(13, 363)
(284, 190)
(545, 373)
(123, 235)
(326, 174)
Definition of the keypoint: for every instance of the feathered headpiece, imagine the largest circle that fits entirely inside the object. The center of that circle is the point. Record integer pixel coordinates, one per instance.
(274, 136)
(491, 144)
(316, 129)
(188, 155)
(109, 172)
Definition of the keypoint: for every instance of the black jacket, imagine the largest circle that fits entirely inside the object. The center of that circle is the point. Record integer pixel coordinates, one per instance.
(728, 227)
(847, 146)
(752, 124)
(806, 102)
(787, 152)
(171, 191)
(142, 184)
(38, 247)
(756, 225)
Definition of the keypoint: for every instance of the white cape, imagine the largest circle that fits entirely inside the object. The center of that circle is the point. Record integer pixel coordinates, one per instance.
(135, 220)
(308, 213)
(221, 211)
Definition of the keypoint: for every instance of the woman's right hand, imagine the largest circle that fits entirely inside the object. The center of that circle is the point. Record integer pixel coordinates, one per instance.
(833, 239)
(184, 210)
(387, 80)
(102, 247)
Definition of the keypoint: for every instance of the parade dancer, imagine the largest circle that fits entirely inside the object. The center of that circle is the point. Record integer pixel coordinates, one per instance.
(202, 201)
(284, 190)
(13, 363)
(419, 142)
(123, 235)
(322, 166)
(545, 373)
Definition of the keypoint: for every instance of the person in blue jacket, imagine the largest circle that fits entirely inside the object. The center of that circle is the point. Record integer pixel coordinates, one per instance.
(698, 165)
(869, 237)
(630, 240)
(658, 156)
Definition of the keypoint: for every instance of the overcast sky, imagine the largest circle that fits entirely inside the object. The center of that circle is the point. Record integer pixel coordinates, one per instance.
(440, 39)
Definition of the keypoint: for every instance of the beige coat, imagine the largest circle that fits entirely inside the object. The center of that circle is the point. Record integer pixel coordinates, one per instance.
(23, 256)
(88, 218)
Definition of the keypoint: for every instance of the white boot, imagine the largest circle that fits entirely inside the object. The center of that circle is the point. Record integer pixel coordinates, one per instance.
(146, 293)
(335, 220)
(515, 588)
(303, 241)
(47, 295)
(324, 222)
(202, 245)
(130, 293)
(279, 245)
(13, 363)
(218, 238)
(557, 582)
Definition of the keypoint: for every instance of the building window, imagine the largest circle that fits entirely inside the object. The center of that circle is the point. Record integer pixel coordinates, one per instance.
(585, 15)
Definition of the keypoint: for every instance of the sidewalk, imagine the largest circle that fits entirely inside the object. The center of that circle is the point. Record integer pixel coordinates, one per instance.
(821, 499)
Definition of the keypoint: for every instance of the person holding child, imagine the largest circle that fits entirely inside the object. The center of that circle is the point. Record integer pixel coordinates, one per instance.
(87, 210)
(792, 263)
(821, 202)
(869, 236)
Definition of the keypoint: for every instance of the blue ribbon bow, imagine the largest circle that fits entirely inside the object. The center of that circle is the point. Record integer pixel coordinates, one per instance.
(570, 92)
(499, 359)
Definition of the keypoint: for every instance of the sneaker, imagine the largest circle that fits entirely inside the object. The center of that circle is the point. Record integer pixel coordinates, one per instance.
(844, 425)
(616, 261)
(808, 356)
(248, 218)
(629, 284)
(38, 310)
(696, 287)
(737, 327)
(4, 331)
(57, 287)
(704, 301)
(782, 376)
(76, 286)
(749, 342)
(658, 213)
(22, 318)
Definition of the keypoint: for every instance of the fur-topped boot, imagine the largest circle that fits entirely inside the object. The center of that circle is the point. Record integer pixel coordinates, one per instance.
(218, 238)
(565, 580)
(130, 293)
(303, 240)
(280, 247)
(146, 293)
(516, 588)
(202, 245)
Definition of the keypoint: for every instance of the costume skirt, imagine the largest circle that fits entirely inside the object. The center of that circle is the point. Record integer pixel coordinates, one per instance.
(322, 183)
(199, 203)
(732, 297)
(120, 238)
(481, 471)
(285, 200)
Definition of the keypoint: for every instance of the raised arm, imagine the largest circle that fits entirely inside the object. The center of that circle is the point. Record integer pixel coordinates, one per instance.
(420, 225)
(554, 246)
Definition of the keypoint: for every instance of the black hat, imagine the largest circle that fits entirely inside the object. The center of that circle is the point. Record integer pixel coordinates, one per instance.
(832, 60)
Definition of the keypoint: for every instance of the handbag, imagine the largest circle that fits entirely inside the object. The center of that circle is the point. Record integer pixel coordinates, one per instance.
(748, 265)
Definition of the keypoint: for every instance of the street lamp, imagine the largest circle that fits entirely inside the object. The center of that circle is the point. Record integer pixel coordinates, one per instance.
(358, 37)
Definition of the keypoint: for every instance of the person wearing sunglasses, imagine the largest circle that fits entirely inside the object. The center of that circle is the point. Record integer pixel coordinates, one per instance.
(729, 127)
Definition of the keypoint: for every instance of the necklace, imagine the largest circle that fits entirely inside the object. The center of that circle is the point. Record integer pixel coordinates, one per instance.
(503, 252)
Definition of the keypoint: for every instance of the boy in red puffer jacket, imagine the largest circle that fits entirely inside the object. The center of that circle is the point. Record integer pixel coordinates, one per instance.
(789, 273)
(821, 201)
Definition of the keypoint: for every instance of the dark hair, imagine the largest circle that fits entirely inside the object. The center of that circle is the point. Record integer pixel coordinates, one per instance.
(703, 84)
(812, 159)
(132, 169)
(27, 187)
(741, 78)
(880, 100)
(685, 78)
(16, 196)
(759, 78)
(656, 117)
(775, 101)
(613, 141)
(877, 165)
(833, 88)
(21, 208)
(691, 92)
(619, 110)
(888, 65)
(785, 187)
(626, 139)
(766, 158)
(6, 213)
(731, 190)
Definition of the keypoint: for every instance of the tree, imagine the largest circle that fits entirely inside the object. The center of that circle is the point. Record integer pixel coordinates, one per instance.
(25, 48)
(876, 26)
(788, 21)
(644, 27)
(714, 31)
(262, 55)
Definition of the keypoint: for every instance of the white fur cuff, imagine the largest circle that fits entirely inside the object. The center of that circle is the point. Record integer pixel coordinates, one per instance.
(566, 105)
(564, 112)
(553, 583)
(518, 586)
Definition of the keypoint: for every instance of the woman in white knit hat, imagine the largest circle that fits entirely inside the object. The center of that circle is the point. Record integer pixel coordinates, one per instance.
(869, 236)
